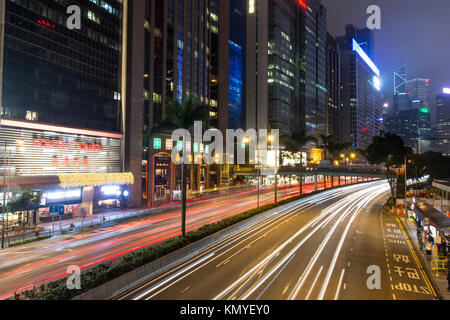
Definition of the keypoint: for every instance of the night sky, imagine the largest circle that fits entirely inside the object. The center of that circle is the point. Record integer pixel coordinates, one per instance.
(415, 32)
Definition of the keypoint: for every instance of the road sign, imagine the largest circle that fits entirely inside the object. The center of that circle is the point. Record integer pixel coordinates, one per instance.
(61, 211)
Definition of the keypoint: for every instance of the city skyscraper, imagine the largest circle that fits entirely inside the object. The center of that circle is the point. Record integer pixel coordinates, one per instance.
(59, 76)
(362, 98)
(400, 80)
(314, 24)
(333, 79)
(413, 125)
(237, 64)
(443, 117)
(419, 89)
(286, 88)
(62, 116)
(178, 48)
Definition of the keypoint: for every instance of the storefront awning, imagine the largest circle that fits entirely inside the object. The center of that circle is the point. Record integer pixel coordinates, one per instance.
(437, 219)
(93, 180)
(72, 180)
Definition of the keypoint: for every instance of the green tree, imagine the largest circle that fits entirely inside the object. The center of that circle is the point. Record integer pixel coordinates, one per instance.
(333, 147)
(388, 149)
(296, 142)
(180, 116)
(25, 202)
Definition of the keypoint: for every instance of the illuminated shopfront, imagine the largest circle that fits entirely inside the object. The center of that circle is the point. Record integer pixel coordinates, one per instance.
(79, 170)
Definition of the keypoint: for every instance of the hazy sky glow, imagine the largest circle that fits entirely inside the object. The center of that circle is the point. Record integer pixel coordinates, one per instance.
(415, 32)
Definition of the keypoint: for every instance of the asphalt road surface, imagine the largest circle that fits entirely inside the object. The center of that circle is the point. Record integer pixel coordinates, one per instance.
(331, 246)
(30, 265)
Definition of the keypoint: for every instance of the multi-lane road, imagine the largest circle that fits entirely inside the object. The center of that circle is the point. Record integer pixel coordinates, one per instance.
(334, 245)
(30, 265)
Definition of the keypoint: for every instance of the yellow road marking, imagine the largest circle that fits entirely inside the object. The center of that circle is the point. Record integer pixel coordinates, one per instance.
(424, 275)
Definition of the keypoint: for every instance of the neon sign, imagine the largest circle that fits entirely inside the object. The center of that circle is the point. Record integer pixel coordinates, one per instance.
(446, 90)
(45, 23)
(365, 57)
(63, 145)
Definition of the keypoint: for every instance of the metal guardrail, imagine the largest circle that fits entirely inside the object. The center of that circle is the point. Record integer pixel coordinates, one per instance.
(11, 240)
(438, 264)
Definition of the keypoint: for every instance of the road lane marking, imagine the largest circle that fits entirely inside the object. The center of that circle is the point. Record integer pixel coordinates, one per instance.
(336, 296)
(314, 283)
(270, 283)
(185, 290)
(285, 289)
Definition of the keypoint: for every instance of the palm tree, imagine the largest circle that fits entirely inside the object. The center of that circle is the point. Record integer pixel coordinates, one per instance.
(295, 142)
(178, 116)
(333, 147)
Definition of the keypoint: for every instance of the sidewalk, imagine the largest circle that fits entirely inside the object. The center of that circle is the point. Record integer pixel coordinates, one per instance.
(54, 229)
(440, 282)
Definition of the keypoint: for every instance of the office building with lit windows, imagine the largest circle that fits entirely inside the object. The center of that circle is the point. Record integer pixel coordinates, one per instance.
(333, 80)
(237, 64)
(286, 88)
(419, 89)
(443, 117)
(61, 114)
(362, 98)
(178, 48)
(413, 125)
(59, 76)
(314, 61)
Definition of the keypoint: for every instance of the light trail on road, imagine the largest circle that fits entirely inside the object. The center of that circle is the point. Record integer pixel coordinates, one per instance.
(30, 265)
(271, 253)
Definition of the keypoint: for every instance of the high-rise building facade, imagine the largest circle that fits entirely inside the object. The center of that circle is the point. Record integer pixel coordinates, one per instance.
(237, 64)
(400, 80)
(333, 80)
(271, 71)
(62, 116)
(286, 88)
(59, 76)
(443, 117)
(401, 102)
(362, 98)
(413, 125)
(419, 89)
(180, 48)
(315, 59)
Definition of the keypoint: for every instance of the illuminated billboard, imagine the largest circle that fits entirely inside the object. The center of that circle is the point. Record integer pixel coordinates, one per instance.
(446, 90)
(366, 58)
